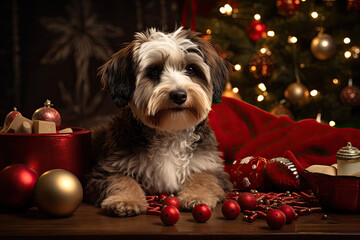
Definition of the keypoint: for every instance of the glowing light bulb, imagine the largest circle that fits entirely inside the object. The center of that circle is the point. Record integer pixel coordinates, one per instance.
(292, 39)
(263, 50)
(347, 54)
(237, 67)
(235, 90)
(271, 33)
(347, 40)
(262, 87)
(314, 15)
(260, 98)
(257, 16)
(335, 81)
(314, 92)
(208, 31)
(332, 123)
(222, 10)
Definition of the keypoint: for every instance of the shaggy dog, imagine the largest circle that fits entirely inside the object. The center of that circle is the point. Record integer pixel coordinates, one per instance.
(159, 142)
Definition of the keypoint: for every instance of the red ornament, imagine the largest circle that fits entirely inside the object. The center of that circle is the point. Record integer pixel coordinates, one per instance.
(262, 65)
(230, 209)
(353, 4)
(256, 29)
(47, 113)
(287, 7)
(289, 213)
(10, 117)
(283, 173)
(248, 173)
(247, 201)
(169, 215)
(350, 96)
(172, 201)
(16, 186)
(201, 213)
(275, 219)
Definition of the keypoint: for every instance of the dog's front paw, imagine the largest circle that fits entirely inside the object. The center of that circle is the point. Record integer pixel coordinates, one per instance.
(189, 202)
(123, 206)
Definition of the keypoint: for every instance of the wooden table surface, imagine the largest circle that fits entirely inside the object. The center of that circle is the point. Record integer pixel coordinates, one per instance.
(88, 223)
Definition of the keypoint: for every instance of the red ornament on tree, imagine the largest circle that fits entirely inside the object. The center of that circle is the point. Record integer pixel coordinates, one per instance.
(169, 215)
(248, 173)
(47, 113)
(287, 7)
(201, 213)
(353, 4)
(230, 209)
(275, 219)
(172, 201)
(289, 213)
(16, 188)
(256, 29)
(350, 95)
(247, 201)
(10, 117)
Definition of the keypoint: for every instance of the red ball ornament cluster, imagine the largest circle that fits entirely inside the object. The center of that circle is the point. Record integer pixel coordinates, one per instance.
(287, 7)
(256, 29)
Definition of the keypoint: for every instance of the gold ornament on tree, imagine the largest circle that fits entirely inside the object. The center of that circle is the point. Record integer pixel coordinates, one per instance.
(323, 46)
(58, 193)
(281, 110)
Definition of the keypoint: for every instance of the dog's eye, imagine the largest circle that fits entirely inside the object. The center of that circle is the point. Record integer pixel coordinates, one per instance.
(154, 73)
(190, 70)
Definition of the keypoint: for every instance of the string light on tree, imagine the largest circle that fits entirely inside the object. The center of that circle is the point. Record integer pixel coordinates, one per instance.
(292, 39)
(262, 87)
(237, 67)
(332, 123)
(235, 90)
(347, 40)
(260, 98)
(314, 92)
(347, 54)
(335, 81)
(314, 15)
(257, 16)
(271, 33)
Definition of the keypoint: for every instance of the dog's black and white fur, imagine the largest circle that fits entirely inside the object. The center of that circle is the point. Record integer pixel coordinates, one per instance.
(159, 142)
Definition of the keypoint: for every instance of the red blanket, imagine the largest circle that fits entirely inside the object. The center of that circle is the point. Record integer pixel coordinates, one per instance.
(244, 130)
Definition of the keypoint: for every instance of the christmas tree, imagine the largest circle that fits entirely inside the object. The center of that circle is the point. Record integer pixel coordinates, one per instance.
(292, 57)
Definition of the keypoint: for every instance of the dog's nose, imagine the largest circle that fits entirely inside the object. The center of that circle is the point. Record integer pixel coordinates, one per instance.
(178, 96)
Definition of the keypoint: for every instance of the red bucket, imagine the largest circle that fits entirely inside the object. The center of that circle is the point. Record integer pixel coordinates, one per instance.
(43, 152)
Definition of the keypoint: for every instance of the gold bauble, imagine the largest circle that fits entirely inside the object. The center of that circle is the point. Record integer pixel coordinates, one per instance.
(58, 193)
(323, 46)
(297, 94)
(281, 110)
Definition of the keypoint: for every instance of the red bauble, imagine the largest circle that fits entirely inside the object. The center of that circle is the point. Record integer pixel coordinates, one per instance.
(275, 219)
(172, 201)
(247, 201)
(16, 186)
(287, 7)
(230, 209)
(289, 213)
(10, 117)
(262, 65)
(47, 113)
(256, 29)
(350, 96)
(169, 215)
(201, 213)
(248, 173)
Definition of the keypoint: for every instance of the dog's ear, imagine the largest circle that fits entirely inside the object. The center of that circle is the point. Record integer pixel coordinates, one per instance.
(118, 76)
(219, 67)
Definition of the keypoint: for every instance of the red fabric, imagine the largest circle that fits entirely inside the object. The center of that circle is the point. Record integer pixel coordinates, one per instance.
(244, 130)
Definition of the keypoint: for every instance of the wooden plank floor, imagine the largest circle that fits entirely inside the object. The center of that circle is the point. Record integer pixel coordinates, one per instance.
(88, 223)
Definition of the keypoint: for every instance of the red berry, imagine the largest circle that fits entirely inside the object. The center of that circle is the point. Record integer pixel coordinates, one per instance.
(275, 219)
(172, 201)
(289, 213)
(247, 201)
(169, 215)
(201, 213)
(230, 209)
